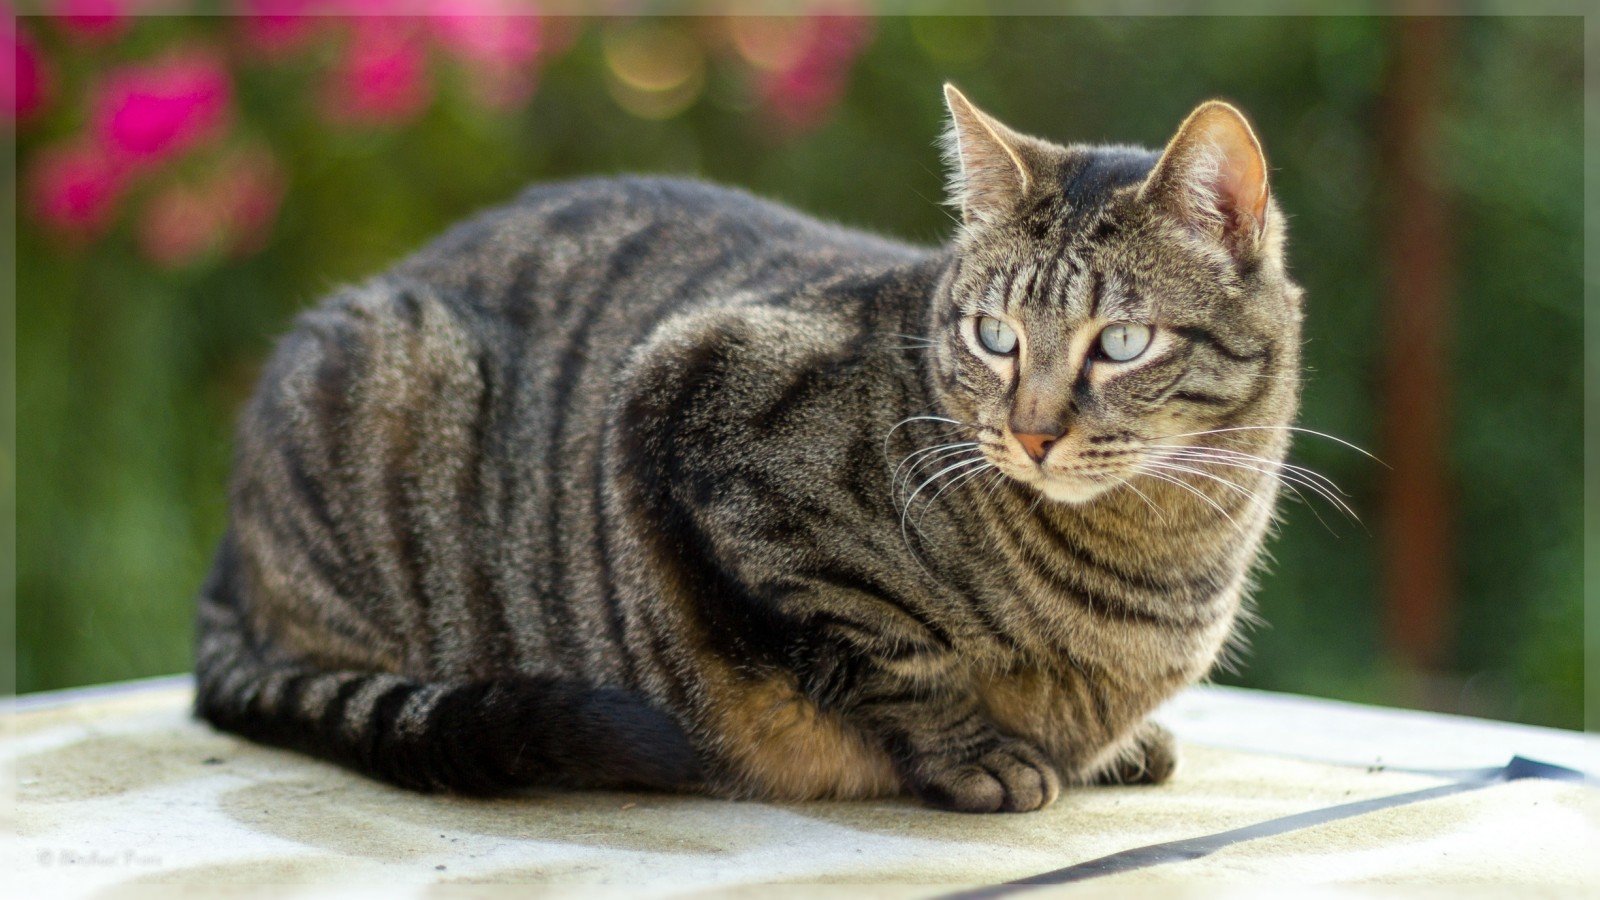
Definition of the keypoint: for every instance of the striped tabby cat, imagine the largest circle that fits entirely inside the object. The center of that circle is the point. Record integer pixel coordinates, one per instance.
(642, 482)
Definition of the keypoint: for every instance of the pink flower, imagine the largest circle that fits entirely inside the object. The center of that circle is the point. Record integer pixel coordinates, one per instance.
(800, 96)
(179, 225)
(382, 77)
(74, 189)
(22, 86)
(499, 47)
(487, 32)
(93, 20)
(276, 28)
(232, 212)
(153, 112)
(250, 192)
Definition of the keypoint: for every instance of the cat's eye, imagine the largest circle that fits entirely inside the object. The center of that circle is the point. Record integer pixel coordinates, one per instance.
(1123, 341)
(996, 336)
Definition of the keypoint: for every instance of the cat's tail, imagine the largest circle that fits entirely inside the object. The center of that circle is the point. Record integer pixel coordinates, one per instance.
(478, 737)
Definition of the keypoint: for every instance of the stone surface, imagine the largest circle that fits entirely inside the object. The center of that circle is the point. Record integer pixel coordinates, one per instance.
(119, 792)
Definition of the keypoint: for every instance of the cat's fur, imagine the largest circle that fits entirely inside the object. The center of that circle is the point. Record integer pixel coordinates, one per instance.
(610, 487)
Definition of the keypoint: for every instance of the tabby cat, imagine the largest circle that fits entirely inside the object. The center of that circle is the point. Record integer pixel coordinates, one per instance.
(642, 482)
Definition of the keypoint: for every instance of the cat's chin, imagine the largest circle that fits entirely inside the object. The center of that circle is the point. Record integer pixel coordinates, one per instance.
(1072, 490)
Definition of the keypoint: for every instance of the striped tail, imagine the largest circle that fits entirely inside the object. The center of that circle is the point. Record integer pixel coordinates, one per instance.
(480, 737)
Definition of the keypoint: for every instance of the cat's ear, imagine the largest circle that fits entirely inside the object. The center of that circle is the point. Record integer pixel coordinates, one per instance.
(1213, 177)
(991, 166)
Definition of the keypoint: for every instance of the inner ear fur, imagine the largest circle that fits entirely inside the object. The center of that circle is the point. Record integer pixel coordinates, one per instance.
(1213, 177)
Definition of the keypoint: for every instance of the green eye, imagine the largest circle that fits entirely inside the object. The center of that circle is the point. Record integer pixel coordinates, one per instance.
(996, 336)
(1124, 340)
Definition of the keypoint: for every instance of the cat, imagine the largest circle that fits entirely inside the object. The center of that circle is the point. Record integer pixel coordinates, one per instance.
(641, 482)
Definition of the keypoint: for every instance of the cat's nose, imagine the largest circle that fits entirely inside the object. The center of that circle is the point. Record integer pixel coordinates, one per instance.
(1037, 445)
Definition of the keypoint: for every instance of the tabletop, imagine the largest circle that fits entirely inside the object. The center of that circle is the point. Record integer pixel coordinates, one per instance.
(119, 791)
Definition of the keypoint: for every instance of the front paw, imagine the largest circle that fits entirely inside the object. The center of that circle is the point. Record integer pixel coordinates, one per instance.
(1150, 758)
(1006, 776)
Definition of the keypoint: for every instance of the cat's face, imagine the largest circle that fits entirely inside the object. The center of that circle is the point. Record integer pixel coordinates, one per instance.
(1095, 317)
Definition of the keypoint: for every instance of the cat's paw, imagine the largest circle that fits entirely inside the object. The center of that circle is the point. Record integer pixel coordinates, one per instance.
(1006, 776)
(1150, 759)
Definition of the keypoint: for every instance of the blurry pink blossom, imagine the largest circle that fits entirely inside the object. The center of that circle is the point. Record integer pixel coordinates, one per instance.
(93, 20)
(503, 89)
(179, 225)
(73, 189)
(499, 42)
(800, 96)
(152, 112)
(23, 85)
(276, 28)
(382, 77)
(497, 33)
(232, 212)
(250, 192)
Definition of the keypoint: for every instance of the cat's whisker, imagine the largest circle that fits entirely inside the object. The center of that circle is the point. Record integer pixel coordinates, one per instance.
(930, 456)
(1294, 428)
(941, 473)
(1147, 501)
(1227, 483)
(1037, 499)
(1289, 475)
(955, 426)
(1287, 479)
(1161, 476)
(905, 510)
(1291, 479)
(1307, 504)
(1193, 450)
(909, 419)
(959, 479)
(942, 452)
(998, 482)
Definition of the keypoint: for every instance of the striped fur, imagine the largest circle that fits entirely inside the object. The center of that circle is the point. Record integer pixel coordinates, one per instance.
(610, 487)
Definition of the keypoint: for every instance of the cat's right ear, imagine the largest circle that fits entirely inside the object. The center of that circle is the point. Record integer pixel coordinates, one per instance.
(991, 169)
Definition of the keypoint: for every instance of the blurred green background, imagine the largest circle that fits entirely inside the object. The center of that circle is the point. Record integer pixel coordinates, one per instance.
(142, 321)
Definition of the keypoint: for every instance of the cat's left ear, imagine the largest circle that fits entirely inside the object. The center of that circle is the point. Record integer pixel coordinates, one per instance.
(1213, 177)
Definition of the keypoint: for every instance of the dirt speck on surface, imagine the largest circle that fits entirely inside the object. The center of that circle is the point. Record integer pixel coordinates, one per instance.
(106, 765)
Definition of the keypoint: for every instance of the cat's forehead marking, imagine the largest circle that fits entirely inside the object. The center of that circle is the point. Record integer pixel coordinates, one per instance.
(1118, 301)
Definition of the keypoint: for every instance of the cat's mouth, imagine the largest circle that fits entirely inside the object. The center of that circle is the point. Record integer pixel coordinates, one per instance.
(1066, 474)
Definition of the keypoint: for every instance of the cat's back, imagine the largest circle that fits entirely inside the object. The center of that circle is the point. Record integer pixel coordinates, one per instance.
(437, 429)
(651, 243)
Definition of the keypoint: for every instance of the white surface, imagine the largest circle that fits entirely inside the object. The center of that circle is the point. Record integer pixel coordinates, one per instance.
(1350, 734)
(1309, 728)
(119, 790)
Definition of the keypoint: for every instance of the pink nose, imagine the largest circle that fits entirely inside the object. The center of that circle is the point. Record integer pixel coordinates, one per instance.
(1037, 445)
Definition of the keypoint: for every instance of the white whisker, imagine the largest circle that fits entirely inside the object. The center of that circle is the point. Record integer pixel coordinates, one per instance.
(906, 509)
(1147, 501)
(963, 477)
(1290, 475)
(1161, 476)
(908, 420)
(1293, 428)
(1201, 451)
(928, 455)
(1231, 485)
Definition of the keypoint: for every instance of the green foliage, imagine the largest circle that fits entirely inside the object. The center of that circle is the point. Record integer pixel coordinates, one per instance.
(130, 375)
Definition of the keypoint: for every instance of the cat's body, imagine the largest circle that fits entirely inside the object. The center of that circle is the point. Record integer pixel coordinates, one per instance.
(602, 488)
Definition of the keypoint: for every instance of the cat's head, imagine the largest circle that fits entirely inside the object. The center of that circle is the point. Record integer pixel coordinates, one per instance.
(1106, 299)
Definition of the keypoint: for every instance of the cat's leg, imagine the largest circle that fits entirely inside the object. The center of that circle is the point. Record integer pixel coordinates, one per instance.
(945, 747)
(953, 757)
(1149, 758)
